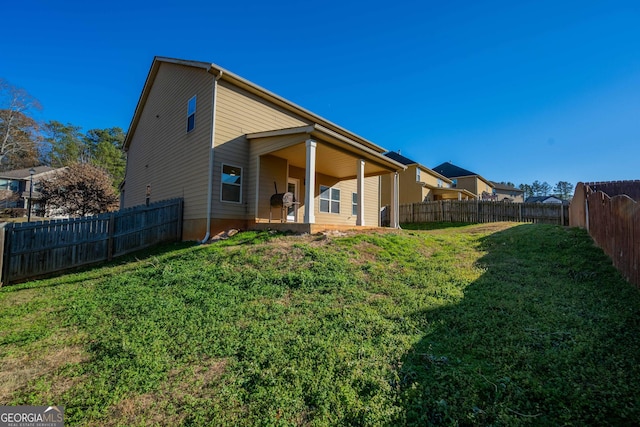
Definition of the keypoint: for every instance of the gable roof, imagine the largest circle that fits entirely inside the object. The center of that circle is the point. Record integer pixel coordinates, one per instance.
(400, 158)
(504, 187)
(407, 161)
(540, 199)
(25, 173)
(223, 74)
(451, 171)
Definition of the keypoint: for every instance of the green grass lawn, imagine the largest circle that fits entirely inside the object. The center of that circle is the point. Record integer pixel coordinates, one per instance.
(498, 324)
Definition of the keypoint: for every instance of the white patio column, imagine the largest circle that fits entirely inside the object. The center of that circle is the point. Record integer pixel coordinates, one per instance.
(310, 183)
(360, 190)
(395, 202)
(459, 196)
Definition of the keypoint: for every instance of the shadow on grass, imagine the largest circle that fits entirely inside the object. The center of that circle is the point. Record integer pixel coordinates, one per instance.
(433, 225)
(548, 335)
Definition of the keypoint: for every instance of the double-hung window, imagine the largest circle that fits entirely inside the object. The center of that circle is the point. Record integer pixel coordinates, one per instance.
(354, 203)
(417, 174)
(231, 186)
(191, 114)
(329, 199)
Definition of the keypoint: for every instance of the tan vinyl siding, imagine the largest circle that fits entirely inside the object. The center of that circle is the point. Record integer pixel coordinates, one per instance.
(299, 174)
(469, 183)
(347, 188)
(162, 154)
(426, 195)
(272, 170)
(429, 179)
(409, 190)
(485, 186)
(239, 113)
(372, 201)
(385, 189)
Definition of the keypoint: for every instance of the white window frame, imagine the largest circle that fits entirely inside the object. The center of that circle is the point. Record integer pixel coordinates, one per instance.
(191, 113)
(222, 183)
(330, 200)
(354, 204)
(417, 174)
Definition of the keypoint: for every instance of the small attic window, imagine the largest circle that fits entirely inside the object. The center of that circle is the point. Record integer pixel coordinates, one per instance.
(191, 114)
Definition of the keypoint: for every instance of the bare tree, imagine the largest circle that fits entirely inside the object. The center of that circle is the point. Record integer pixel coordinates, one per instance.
(8, 198)
(19, 136)
(80, 189)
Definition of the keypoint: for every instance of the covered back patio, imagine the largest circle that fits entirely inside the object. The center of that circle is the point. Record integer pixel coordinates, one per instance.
(440, 193)
(333, 178)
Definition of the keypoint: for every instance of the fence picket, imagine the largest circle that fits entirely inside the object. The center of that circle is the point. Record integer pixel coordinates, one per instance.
(37, 248)
(482, 212)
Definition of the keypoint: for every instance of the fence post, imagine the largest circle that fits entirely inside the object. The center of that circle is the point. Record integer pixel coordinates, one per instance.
(110, 232)
(180, 210)
(520, 212)
(586, 211)
(7, 231)
(2, 234)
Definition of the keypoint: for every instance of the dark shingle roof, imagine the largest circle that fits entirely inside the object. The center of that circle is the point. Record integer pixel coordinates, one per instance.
(400, 158)
(499, 186)
(540, 199)
(451, 171)
(24, 173)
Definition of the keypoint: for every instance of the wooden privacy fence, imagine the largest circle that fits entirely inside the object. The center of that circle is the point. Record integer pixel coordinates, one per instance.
(37, 248)
(613, 221)
(478, 211)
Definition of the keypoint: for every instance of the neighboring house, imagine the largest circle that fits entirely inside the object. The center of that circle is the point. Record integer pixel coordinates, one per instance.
(467, 180)
(16, 188)
(225, 145)
(418, 184)
(544, 199)
(507, 193)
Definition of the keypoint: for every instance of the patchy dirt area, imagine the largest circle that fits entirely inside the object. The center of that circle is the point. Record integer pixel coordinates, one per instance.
(18, 371)
(162, 407)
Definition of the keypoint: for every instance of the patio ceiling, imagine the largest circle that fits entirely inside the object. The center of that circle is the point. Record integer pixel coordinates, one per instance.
(336, 155)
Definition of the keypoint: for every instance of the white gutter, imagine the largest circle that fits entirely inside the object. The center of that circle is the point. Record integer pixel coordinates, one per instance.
(214, 97)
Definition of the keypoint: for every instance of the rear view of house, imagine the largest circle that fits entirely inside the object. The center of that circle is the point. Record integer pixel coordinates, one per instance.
(467, 180)
(419, 184)
(20, 189)
(231, 149)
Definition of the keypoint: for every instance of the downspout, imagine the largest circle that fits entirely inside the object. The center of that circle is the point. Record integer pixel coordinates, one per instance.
(214, 97)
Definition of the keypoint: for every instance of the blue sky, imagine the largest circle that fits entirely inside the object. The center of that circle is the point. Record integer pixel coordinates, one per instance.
(514, 90)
